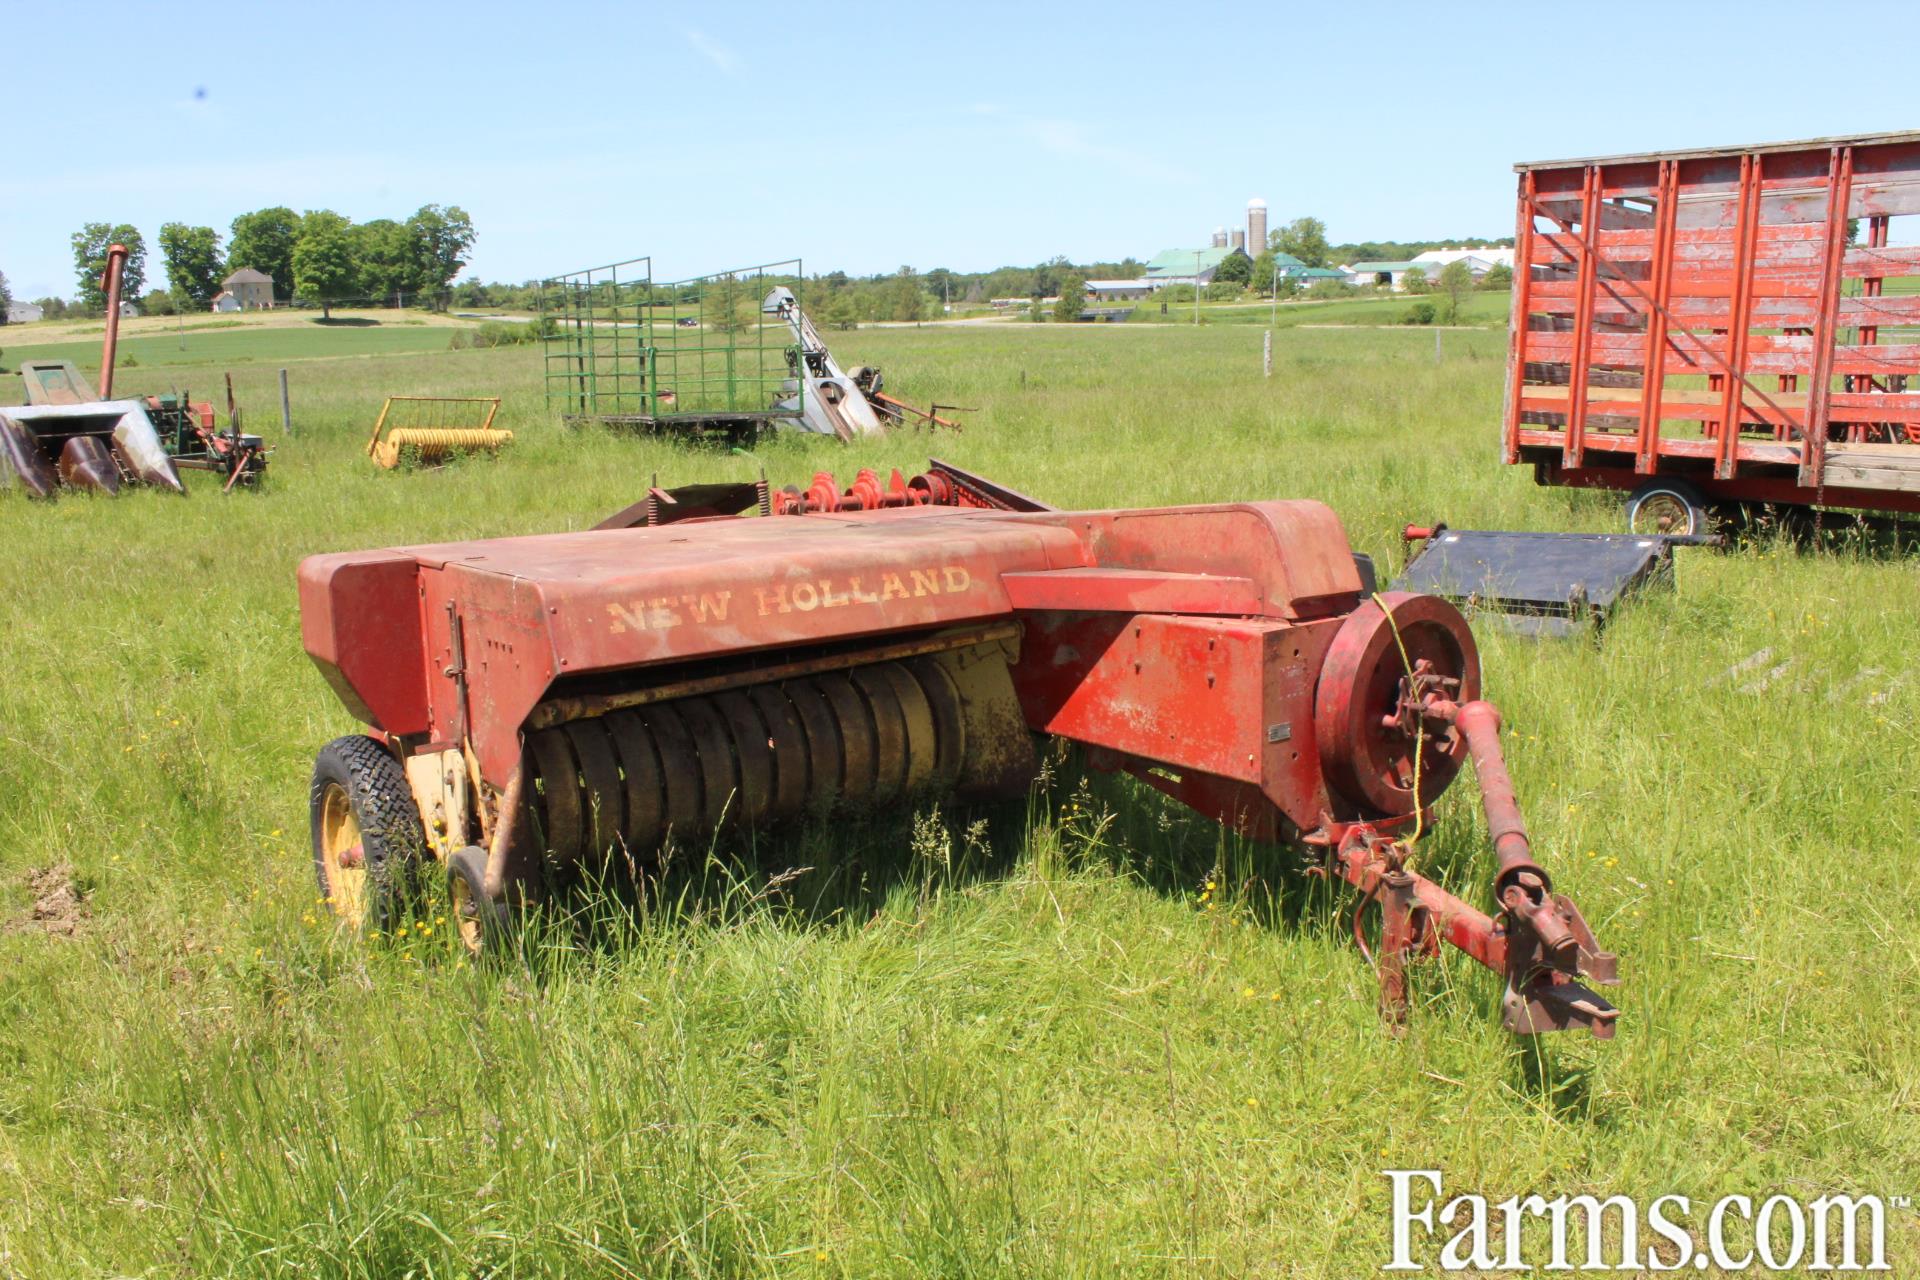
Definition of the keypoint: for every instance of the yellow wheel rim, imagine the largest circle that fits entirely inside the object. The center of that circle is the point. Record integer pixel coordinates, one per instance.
(343, 857)
(466, 915)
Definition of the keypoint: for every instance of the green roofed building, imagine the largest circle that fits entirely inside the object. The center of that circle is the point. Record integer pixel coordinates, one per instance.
(1188, 266)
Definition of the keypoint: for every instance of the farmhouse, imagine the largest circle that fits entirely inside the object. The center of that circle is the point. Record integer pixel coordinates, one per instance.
(24, 312)
(253, 290)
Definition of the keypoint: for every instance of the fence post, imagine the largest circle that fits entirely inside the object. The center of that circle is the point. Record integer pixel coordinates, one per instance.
(286, 406)
(1266, 355)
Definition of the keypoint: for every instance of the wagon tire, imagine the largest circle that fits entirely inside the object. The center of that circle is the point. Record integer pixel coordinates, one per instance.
(481, 925)
(368, 844)
(1668, 506)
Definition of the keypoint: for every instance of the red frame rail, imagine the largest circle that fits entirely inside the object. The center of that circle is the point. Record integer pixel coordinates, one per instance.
(1722, 316)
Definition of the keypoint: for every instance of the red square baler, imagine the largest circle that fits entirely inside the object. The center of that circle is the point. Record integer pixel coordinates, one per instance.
(539, 704)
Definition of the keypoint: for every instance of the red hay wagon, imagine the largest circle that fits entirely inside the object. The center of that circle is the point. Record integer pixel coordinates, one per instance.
(1714, 330)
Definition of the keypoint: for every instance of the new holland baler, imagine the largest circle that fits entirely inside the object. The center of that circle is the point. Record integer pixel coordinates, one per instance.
(541, 704)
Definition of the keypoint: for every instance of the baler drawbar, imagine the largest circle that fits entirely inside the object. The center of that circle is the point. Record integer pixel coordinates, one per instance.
(541, 704)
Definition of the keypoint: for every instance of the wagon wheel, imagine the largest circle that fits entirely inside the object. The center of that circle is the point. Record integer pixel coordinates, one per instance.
(367, 839)
(1669, 507)
(480, 923)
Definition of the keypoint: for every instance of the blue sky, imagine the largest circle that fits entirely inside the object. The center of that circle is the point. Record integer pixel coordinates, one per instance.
(862, 137)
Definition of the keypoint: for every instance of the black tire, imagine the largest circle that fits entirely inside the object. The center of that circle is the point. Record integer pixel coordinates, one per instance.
(1668, 506)
(480, 924)
(357, 778)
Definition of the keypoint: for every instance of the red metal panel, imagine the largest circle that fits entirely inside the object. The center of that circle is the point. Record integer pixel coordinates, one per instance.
(1525, 248)
(1134, 591)
(1734, 381)
(1576, 426)
(1820, 387)
(360, 621)
(1231, 699)
(1654, 353)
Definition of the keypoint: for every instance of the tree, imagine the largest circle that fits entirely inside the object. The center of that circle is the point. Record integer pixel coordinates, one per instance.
(192, 255)
(52, 308)
(324, 269)
(1497, 280)
(384, 252)
(441, 240)
(1414, 280)
(839, 313)
(1235, 268)
(909, 303)
(264, 240)
(159, 302)
(6, 297)
(1305, 239)
(1456, 282)
(90, 244)
(1073, 299)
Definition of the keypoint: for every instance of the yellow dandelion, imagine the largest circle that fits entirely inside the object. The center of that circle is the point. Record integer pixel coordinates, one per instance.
(1573, 808)
(276, 831)
(820, 1255)
(1253, 1102)
(1248, 993)
(1275, 996)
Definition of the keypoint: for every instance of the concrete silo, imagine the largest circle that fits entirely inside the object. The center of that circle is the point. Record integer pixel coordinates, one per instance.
(1256, 225)
(1219, 237)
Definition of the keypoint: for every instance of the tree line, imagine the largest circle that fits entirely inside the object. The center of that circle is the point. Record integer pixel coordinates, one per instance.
(319, 257)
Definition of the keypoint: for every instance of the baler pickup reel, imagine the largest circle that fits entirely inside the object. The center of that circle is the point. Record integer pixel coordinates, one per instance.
(728, 657)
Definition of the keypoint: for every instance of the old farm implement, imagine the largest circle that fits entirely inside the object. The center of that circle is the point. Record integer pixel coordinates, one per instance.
(432, 429)
(70, 435)
(1713, 330)
(730, 355)
(541, 704)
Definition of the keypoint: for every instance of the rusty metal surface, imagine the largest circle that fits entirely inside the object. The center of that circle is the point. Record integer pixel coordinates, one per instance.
(1757, 271)
(620, 688)
(56, 382)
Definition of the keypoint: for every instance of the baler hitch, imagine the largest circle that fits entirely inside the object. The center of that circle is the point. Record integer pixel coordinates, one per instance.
(1539, 941)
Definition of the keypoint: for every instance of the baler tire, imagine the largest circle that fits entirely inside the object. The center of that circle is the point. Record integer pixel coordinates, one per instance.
(481, 925)
(357, 781)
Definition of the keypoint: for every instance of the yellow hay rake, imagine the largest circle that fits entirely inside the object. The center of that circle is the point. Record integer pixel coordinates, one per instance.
(434, 428)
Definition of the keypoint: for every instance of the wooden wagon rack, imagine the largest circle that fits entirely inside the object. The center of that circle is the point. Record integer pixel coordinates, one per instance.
(1740, 319)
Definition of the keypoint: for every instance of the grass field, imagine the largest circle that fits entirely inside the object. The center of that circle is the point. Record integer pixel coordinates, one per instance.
(1020, 1049)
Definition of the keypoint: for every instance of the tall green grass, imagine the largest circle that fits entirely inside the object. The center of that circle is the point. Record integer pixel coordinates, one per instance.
(1019, 1043)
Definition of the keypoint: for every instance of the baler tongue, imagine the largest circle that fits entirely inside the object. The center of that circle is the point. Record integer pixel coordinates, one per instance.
(1539, 941)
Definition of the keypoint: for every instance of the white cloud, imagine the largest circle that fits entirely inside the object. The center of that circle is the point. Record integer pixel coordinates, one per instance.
(723, 58)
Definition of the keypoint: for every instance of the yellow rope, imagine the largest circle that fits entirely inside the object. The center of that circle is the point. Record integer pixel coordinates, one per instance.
(1420, 730)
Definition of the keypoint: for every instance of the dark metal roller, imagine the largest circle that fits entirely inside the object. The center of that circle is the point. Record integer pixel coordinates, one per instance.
(824, 766)
(645, 824)
(603, 818)
(918, 718)
(789, 744)
(949, 725)
(752, 752)
(858, 743)
(889, 731)
(749, 756)
(713, 748)
(680, 776)
(559, 791)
